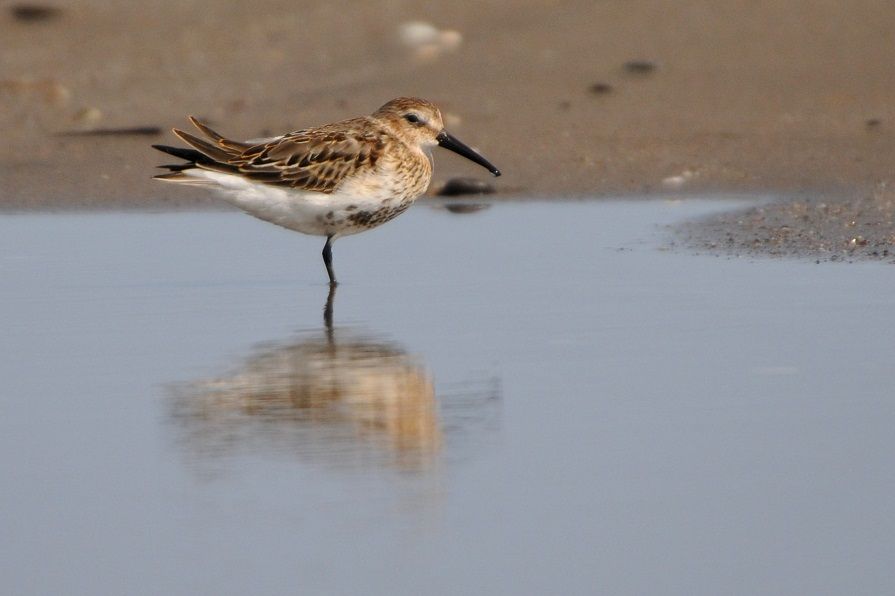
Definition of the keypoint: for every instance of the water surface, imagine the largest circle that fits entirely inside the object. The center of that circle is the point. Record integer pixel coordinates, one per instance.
(528, 399)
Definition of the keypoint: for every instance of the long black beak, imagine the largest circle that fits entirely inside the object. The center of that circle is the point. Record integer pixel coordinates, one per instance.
(449, 141)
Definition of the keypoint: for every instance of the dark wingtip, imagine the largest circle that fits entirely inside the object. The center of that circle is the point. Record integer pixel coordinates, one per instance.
(190, 155)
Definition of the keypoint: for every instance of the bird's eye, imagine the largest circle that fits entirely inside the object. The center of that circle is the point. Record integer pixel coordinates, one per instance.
(412, 118)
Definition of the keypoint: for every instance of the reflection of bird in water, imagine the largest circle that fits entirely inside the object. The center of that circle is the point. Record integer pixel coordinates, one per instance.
(352, 396)
(335, 396)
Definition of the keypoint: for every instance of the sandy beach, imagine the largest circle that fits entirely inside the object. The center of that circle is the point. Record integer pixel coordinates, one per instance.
(570, 99)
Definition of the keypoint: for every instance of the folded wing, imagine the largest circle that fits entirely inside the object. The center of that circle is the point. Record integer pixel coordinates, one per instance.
(317, 159)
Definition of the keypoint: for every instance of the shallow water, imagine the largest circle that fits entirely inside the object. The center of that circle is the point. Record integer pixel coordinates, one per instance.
(529, 399)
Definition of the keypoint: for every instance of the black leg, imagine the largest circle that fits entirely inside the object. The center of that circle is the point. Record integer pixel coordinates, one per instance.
(328, 260)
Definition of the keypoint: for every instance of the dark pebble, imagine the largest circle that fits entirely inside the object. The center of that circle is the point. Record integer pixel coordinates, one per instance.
(33, 13)
(873, 123)
(639, 67)
(465, 186)
(600, 88)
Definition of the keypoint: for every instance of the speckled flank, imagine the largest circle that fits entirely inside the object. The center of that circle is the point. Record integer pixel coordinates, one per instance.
(371, 219)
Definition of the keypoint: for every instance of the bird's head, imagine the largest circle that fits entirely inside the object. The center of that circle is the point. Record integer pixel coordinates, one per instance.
(418, 123)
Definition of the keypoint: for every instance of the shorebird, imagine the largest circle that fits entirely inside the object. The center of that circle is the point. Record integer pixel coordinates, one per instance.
(332, 180)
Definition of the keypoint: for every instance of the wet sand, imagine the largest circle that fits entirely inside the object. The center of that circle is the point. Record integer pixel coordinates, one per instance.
(838, 230)
(569, 99)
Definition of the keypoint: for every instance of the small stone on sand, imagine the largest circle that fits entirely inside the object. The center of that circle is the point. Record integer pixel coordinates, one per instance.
(639, 67)
(465, 186)
(33, 13)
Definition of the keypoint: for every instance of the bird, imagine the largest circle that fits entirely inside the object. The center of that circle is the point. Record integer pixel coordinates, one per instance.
(332, 180)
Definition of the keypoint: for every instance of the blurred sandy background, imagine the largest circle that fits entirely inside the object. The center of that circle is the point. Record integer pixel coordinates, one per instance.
(732, 95)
